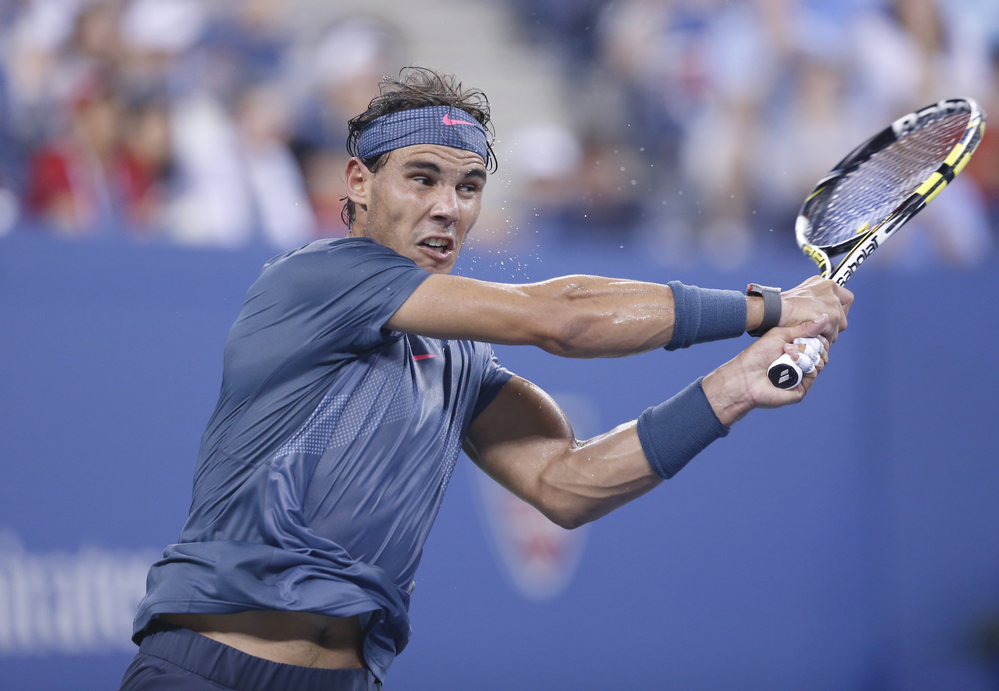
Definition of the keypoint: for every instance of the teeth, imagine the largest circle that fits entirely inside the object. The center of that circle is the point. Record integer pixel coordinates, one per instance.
(436, 242)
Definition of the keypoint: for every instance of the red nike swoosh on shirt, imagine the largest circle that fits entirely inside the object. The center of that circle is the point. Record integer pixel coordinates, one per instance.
(423, 357)
(448, 121)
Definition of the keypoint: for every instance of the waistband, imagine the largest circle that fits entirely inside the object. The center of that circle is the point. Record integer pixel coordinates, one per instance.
(235, 669)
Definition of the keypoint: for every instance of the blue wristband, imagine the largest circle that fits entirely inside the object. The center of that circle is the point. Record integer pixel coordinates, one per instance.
(704, 314)
(674, 432)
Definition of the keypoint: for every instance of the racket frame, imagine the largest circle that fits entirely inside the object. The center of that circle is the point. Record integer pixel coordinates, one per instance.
(859, 249)
(784, 373)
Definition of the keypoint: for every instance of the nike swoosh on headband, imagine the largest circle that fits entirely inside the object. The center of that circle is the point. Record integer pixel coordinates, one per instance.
(448, 121)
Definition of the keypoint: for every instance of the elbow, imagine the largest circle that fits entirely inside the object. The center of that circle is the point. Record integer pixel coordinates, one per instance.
(567, 518)
(571, 522)
(564, 342)
(569, 327)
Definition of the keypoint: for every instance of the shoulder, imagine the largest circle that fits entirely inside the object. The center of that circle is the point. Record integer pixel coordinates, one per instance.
(344, 262)
(332, 251)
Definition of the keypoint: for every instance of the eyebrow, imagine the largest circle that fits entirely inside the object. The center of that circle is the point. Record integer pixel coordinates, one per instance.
(477, 172)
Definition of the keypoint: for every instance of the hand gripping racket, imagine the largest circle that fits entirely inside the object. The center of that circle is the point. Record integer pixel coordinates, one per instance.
(872, 192)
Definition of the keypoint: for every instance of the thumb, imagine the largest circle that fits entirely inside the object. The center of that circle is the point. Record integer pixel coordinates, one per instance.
(809, 329)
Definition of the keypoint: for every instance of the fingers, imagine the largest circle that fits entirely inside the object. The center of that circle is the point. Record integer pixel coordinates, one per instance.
(817, 296)
(845, 301)
(812, 329)
(805, 352)
(845, 298)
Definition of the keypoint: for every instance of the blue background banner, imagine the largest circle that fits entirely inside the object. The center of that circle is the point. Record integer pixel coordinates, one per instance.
(845, 543)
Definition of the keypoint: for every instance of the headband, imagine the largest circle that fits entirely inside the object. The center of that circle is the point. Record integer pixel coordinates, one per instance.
(441, 125)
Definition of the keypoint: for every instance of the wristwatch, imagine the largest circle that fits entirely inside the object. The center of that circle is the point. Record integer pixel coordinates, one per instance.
(771, 307)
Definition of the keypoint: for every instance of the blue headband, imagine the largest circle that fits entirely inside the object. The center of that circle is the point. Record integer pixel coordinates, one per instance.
(432, 125)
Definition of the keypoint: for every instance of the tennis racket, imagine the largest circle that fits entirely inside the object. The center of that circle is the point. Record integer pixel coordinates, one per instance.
(879, 186)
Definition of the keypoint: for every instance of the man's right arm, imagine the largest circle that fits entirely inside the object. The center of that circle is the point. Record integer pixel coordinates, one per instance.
(587, 316)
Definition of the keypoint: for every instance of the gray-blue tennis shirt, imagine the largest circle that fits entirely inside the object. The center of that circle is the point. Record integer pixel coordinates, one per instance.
(326, 460)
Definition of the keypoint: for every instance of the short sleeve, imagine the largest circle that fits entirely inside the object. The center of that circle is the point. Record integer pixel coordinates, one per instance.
(494, 379)
(338, 291)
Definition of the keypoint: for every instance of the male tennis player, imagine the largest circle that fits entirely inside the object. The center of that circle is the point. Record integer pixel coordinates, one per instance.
(354, 374)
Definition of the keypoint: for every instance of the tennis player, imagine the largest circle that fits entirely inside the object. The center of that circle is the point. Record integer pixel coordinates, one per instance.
(356, 371)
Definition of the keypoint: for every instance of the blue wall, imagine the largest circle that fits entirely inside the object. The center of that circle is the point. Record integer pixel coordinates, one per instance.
(846, 543)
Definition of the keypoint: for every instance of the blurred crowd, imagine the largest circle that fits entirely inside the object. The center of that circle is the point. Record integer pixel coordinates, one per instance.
(206, 123)
(731, 111)
(694, 126)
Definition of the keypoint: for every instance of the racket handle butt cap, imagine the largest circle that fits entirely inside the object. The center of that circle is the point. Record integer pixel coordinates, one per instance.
(784, 373)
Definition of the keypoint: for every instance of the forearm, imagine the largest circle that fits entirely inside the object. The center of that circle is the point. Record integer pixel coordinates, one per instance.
(598, 476)
(600, 317)
(595, 477)
(524, 441)
(591, 478)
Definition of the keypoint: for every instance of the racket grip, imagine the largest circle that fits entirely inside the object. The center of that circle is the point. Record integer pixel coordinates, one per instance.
(784, 372)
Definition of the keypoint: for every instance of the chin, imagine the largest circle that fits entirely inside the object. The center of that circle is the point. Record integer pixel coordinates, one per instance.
(444, 270)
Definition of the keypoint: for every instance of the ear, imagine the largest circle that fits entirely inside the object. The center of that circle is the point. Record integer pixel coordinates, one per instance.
(358, 179)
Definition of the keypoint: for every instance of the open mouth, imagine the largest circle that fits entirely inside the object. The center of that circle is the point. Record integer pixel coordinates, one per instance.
(437, 246)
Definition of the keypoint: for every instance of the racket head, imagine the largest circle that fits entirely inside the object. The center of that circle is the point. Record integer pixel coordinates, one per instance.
(886, 181)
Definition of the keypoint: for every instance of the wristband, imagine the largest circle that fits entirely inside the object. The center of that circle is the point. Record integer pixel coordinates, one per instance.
(771, 307)
(674, 432)
(704, 314)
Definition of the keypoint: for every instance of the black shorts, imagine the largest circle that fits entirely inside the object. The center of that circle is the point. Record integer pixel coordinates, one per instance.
(175, 658)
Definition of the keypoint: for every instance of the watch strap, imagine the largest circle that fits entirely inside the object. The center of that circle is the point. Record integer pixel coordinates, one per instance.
(771, 306)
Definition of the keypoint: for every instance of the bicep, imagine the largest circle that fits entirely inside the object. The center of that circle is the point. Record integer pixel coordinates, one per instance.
(454, 307)
(518, 436)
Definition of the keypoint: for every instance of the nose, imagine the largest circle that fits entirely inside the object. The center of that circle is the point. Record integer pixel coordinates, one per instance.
(445, 207)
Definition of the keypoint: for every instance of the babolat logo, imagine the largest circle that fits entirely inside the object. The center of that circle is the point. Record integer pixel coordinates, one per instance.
(780, 376)
(857, 257)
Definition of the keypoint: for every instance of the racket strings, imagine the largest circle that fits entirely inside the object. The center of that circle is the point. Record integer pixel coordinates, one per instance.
(866, 196)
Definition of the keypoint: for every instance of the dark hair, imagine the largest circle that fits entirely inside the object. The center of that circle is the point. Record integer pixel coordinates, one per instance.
(416, 87)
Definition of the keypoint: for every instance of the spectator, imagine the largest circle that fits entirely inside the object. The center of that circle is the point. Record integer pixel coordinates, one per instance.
(984, 166)
(342, 68)
(68, 177)
(809, 124)
(911, 53)
(273, 177)
(143, 167)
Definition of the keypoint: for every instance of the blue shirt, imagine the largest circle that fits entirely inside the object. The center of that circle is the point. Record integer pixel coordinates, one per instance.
(326, 460)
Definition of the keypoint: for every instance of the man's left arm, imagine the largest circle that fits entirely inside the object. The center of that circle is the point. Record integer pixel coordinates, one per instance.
(524, 441)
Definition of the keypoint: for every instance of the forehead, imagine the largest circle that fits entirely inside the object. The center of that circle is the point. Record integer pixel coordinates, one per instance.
(444, 157)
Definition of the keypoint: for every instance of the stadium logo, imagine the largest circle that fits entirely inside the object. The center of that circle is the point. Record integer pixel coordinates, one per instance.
(66, 602)
(537, 557)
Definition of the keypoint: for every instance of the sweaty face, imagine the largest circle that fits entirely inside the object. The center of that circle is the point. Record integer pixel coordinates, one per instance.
(422, 202)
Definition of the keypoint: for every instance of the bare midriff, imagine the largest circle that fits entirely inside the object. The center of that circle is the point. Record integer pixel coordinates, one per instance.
(305, 639)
